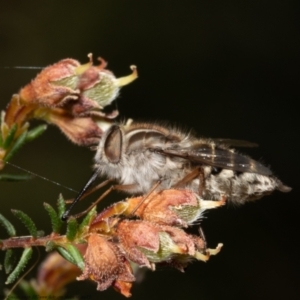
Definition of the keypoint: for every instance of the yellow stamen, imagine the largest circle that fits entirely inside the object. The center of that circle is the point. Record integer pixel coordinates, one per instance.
(82, 68)
(128, 79)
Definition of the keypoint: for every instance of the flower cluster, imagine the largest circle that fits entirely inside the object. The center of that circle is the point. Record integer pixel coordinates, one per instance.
(139, 232)
(67, 94)
(158, 236)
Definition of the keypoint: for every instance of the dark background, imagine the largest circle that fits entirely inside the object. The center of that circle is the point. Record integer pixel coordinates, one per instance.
(224, 68)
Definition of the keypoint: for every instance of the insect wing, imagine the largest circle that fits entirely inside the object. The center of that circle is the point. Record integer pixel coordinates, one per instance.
(235, 143)
(221, 158)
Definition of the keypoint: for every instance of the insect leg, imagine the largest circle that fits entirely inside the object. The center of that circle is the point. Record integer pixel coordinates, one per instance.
(188, 178)
(201, 181)
(112, 188)
(147, 195)
(198, 172)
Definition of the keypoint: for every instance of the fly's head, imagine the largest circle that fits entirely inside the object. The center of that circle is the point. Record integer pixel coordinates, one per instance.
(110, 152)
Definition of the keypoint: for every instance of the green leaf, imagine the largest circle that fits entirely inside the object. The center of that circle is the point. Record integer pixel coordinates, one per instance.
(61, 205)
(87, 220)
(72, 227)
(16, 146)
(35, 132)
(10, 136)
(8, 226)
(79, 262)
(55, 219)
(26, 255)
(9, 261)
(26, 220)
(50, 246)
(66, 255)
(15, 177)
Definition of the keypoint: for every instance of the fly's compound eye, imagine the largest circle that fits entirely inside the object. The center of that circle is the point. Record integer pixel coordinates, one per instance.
(113, 145)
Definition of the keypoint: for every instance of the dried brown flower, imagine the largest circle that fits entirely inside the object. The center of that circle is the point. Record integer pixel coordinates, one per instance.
(106, 265)
(171, 207)
(69, 95)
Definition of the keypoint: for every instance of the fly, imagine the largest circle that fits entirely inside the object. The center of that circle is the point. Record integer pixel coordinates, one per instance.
(142, 157)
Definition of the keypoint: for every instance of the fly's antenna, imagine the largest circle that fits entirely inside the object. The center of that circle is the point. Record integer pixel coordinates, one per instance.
(79, 196)
(23, 67)
(39, 176)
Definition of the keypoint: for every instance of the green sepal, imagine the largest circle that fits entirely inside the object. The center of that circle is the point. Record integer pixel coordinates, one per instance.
(16, 146)
(26, 220)
(9, 261)
(79, 262)
(15, 177)
(72, 228)
(56, 221)
(26, 255)
(10, 136)
(11, 231)
(69, 81)
(104, 91)
(66, 255)
(61, 205)
(35, 132)
(87, 220)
